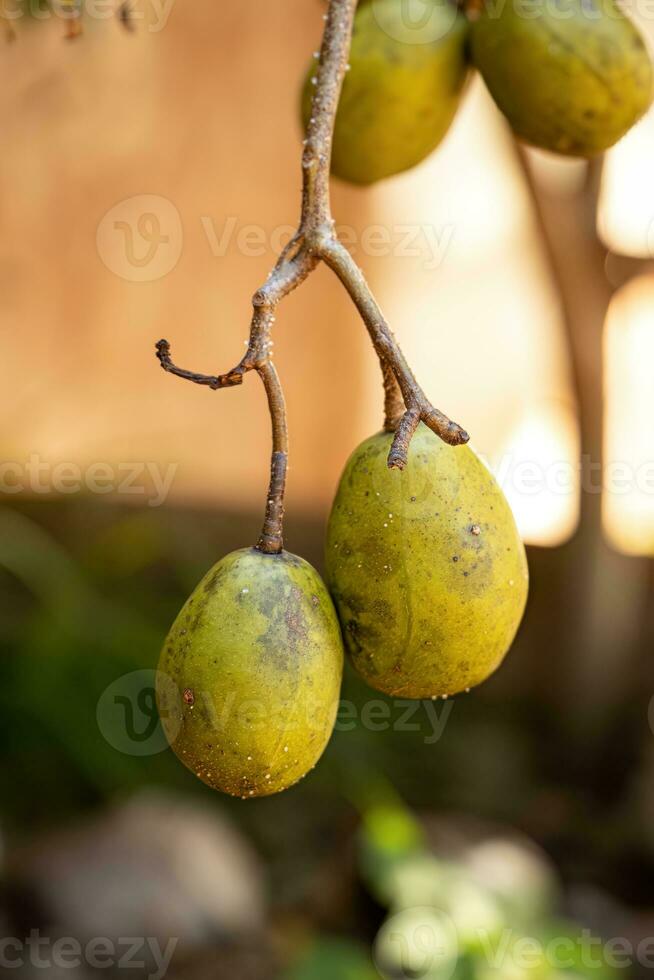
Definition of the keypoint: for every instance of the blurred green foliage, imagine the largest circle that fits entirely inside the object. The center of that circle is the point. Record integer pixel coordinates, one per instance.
(64, 641)
(445, 921)
(334, 959)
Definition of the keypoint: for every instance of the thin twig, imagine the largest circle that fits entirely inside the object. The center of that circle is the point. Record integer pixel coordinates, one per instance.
(337, 257)
(315, 241)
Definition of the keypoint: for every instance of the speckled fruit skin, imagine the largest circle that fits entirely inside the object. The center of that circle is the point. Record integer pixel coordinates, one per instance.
(571, 76)
(425, 566)
(407, 73)
(256, 661)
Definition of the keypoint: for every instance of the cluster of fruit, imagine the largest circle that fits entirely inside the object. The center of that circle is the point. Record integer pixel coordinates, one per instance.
(426, 585)
(426, 573)
(571, 76)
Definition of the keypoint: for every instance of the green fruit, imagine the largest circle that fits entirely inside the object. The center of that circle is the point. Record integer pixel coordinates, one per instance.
(426, 567)
(571, 76)
(407, 71)
(250, 674)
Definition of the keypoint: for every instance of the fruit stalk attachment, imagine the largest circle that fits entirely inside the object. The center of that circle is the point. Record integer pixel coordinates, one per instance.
(316, 241)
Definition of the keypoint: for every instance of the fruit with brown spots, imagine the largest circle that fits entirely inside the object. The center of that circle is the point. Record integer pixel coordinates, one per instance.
(250, 674)
(426, 568)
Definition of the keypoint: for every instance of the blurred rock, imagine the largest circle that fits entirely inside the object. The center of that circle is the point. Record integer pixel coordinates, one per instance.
(518, 872)
(500, 860)
(156, 866)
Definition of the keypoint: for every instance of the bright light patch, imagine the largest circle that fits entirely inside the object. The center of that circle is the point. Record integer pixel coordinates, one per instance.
(538, 470)
(628, 501)
(625, 216)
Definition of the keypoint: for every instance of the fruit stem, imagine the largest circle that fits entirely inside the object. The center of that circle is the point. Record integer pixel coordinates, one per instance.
(316, 241)
(271, 540)
(337, 257)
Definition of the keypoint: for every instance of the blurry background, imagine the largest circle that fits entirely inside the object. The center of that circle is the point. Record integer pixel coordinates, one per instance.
(150, 175)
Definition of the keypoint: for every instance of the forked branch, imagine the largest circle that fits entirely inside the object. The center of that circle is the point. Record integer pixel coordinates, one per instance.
(315, 241)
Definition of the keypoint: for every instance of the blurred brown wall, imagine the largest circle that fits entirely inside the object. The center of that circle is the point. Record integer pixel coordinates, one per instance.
(203, 114)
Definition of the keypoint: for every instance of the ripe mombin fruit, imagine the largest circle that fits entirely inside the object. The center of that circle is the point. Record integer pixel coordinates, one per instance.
(250, 674)
(407, 72)
(425, 566)
(571, 76)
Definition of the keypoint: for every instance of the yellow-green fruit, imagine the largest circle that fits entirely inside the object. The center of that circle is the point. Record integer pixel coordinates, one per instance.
(426, 568)
(571, 76)
(250, 674)
(407, 72)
